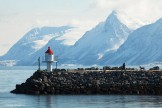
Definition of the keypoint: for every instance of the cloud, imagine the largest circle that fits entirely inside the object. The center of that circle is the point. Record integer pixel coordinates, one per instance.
(40, 23)
(80, 27)
(5, 45)
(16, 21)
(145, 10)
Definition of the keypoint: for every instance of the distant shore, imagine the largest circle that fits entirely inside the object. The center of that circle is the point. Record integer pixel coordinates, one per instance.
(61, 81)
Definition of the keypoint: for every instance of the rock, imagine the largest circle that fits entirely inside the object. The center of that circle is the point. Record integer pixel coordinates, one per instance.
(45, 79)
(96, 82)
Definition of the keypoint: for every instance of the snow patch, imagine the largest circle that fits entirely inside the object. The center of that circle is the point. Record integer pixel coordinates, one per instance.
(8, 62)
(40, 43)
(100, 55)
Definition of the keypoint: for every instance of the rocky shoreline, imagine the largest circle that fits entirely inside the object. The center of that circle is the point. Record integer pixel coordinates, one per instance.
(129, 82)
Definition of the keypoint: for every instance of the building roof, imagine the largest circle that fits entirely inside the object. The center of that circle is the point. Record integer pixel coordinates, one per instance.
(49, 51)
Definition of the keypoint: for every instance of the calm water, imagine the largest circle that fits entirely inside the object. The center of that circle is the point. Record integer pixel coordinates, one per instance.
(10, 76)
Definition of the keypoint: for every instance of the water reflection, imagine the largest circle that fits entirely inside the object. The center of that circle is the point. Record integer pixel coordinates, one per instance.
(48, 101)
(44, 101)
(99, 101)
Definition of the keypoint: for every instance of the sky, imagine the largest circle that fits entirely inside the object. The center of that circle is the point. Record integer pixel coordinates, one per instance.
(17, 17)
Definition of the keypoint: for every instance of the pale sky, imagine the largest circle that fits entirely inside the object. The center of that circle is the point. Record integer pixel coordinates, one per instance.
(17, 17)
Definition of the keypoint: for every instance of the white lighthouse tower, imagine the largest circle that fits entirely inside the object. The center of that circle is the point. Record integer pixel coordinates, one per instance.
(49, 58)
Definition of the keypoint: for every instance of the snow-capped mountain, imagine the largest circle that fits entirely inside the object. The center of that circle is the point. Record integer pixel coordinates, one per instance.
(143, 46)
(32, 41)
(105, 37)
(94, 47)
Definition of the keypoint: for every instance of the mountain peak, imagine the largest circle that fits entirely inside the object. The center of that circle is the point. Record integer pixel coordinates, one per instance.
(112, 16)
(118, 17)
(112, 20)
(114, 12)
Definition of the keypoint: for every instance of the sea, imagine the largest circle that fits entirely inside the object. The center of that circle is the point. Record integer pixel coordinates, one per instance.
(10, 76)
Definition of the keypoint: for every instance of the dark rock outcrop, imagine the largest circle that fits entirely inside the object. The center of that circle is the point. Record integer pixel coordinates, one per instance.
(97, 82)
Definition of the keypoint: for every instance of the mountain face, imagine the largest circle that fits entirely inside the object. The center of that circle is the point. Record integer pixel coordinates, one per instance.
(143, 46)
(33, 41)
(56, 45)
(105, 37)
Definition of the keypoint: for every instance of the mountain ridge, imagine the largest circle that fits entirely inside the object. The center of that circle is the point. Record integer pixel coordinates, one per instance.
(142, 46)
(106, 36)
(102, 45)
(32, 41)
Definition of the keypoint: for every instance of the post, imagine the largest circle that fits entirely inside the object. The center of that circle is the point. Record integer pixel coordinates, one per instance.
(123, 66)
(56, 65)
(56, 60)
(39, 63)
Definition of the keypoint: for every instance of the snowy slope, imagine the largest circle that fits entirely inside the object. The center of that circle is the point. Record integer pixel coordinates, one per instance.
(143, 46)
(105, 37)
(33, 41)
(56, 45)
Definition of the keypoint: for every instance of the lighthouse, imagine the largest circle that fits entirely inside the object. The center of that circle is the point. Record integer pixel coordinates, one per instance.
(49, 58)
